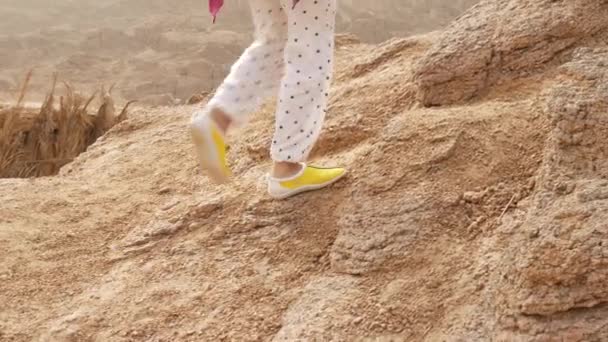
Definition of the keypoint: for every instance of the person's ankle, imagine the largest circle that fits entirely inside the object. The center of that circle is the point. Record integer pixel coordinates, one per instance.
(221, 119)
(285, 169)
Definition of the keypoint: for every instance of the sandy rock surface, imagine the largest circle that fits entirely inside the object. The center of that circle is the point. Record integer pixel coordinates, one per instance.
(474, 210)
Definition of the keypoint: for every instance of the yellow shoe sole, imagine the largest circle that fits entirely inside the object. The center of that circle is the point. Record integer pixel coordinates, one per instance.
(208, 153)
(284, 192)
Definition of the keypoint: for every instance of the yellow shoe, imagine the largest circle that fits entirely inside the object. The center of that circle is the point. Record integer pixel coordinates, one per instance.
(210, 147)
(308, 179)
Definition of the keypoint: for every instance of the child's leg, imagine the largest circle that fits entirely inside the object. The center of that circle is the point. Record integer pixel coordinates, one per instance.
(304, 88)
(256, 74)
(303, 99)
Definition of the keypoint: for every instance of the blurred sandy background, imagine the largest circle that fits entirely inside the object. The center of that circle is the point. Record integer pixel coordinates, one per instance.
(162, 52)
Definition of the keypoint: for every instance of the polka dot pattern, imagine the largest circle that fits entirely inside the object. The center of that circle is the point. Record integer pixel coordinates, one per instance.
(292, 56)
(309, 48)
(257, 74)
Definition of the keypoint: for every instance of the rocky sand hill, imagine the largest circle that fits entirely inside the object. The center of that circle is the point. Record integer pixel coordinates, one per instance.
(475, 208)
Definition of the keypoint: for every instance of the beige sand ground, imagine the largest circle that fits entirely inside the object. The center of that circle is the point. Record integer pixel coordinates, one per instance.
(475, 207)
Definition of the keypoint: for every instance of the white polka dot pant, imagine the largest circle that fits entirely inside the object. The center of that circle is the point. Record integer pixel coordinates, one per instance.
(292, 57)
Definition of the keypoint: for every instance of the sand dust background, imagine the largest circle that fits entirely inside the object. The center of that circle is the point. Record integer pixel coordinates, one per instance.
(158, 51)
(475, 207)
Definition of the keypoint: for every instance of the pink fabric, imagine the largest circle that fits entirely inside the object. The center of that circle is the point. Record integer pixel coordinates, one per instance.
(216, 5)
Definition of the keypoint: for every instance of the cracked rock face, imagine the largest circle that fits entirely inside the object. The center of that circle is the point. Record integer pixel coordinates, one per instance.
(503, 39)
(552, 282)
(370, 236)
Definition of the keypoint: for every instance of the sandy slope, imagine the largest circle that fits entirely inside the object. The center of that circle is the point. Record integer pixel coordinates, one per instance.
(481, 217)
(130, 242)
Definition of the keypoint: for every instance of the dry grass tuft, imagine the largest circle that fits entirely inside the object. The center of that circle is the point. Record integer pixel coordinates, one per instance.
(38, 142)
